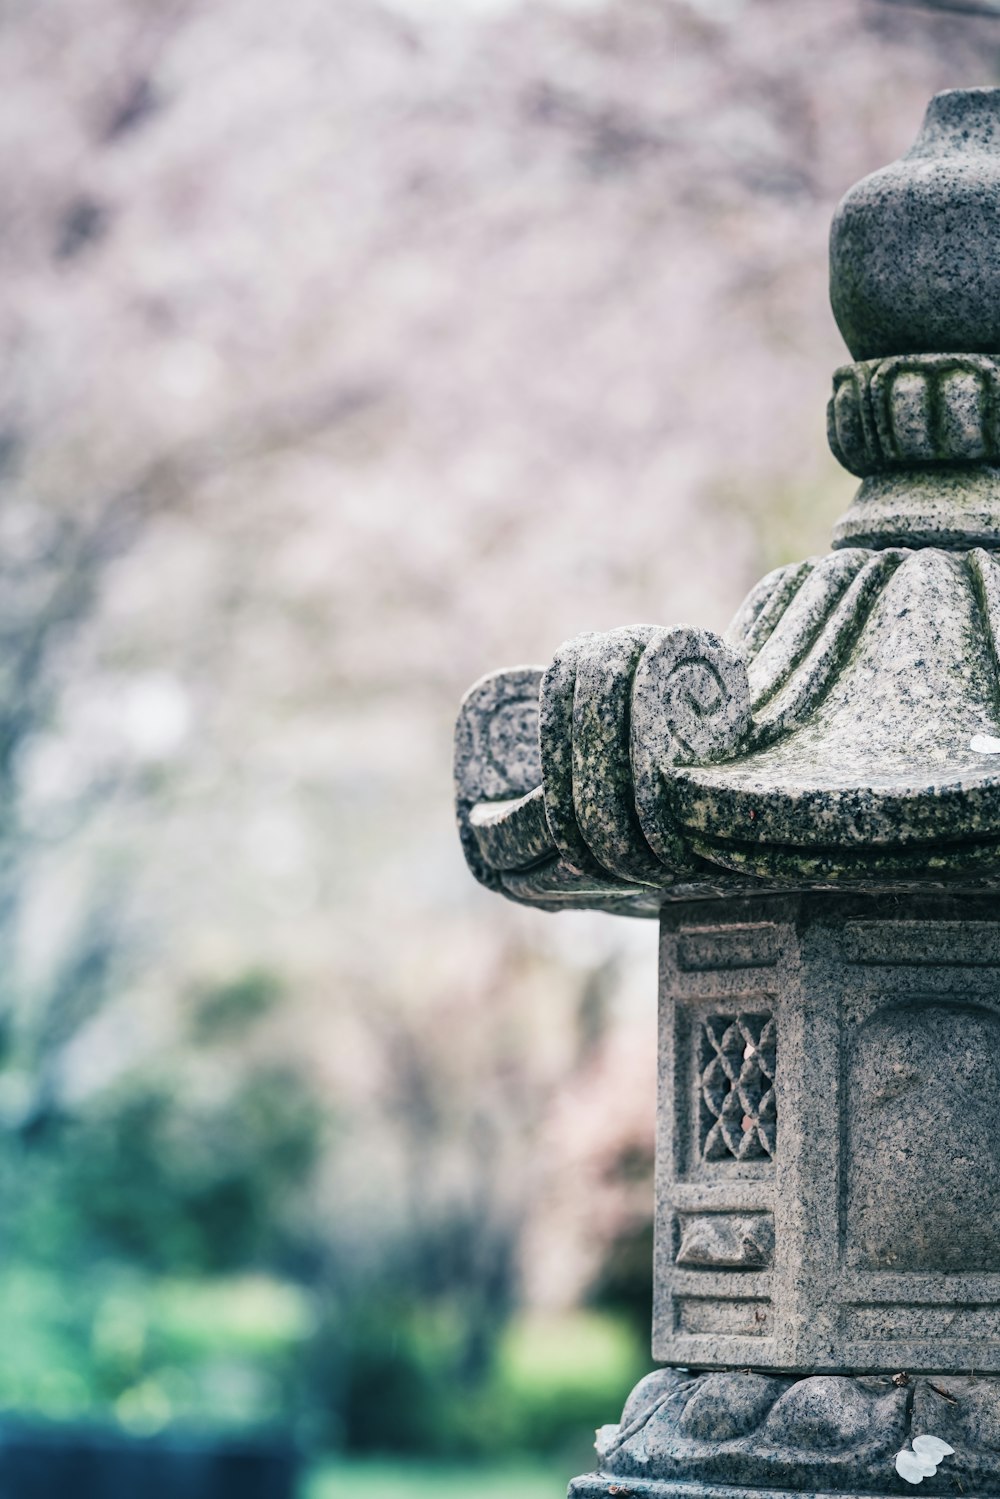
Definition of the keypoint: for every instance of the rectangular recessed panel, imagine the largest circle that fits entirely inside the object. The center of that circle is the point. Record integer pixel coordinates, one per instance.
(702, 949)
(923, 944)
(704, 1314)
(920, 1321)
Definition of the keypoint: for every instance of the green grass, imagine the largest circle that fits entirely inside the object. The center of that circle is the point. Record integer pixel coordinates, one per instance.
(593, 1357)
(371, 1479)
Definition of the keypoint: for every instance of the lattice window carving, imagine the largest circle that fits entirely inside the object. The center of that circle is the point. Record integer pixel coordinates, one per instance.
(739, 1111)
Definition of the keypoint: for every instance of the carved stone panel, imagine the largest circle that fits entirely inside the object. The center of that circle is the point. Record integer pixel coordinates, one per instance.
(720, 1131)
(922, 1190)
(828, 1190)
(738, 1106)
(725, 1241)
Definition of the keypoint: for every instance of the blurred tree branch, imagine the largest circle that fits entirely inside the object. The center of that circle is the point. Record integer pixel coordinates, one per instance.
(42, 600)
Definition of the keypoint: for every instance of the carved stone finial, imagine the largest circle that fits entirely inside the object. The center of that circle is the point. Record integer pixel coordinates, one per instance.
(915, 289)
(915, 247)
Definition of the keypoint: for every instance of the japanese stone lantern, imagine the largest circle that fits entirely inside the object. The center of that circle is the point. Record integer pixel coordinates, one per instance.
(810, 804)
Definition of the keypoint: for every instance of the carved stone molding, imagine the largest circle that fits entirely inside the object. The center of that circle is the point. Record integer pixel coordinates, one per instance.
(915, 409)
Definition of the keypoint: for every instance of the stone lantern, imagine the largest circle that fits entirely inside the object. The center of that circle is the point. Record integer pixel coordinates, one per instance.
(810, 804)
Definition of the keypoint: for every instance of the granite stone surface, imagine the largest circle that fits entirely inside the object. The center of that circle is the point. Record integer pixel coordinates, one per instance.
(740, 1433)
(833, 739)
(915, 247)
(915, 410)
(828, 1180)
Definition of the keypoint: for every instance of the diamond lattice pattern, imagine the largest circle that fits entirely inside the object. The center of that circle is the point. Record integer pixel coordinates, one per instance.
(739, 1112)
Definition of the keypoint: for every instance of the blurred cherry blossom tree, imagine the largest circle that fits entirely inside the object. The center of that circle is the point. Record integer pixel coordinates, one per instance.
(350, 351)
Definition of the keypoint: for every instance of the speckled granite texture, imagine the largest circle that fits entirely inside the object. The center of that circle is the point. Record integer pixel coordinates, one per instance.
(829, 741)
(914, 410)
(913, 267)
(735, 1434)
(828, 1181)
(811, 804)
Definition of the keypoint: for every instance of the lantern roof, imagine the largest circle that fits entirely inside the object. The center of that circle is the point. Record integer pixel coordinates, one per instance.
(844, 733)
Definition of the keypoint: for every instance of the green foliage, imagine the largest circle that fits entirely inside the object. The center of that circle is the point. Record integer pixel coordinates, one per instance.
(567, 1374)
(147, 1234)
(223, 1354)
(625, 1281)
(549, 1383)
(160, 1266)
(227, 1009)
(186, 1186)
(384, 1480)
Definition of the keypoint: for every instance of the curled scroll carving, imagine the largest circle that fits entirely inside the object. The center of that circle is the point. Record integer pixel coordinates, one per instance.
(567, 767)
(496, 754)
(691, 698)
(603, 792)
(587, 773)
(616, 710)
(690, 706)
(496, 736)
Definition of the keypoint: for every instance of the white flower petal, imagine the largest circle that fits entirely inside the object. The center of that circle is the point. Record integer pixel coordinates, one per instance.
(605, 1438)
(932, 1447)
(985, 744)
(913, 1467)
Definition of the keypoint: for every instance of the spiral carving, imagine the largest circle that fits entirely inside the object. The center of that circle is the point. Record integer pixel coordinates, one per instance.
(496, 758)
(690, 706)
(690, 699)
(568, 765)
(693, 697)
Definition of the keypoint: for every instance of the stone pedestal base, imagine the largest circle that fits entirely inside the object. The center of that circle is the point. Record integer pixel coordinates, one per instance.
(599, 1486)
(741, 1435)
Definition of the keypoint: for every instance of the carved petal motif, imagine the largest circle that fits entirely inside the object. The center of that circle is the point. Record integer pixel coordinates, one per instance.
(821, 1434)
(878, 777)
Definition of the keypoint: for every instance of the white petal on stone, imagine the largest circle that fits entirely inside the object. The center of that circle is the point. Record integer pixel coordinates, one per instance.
(913, 1467)
(932, 1448)
(985, 744)
(605, 1438)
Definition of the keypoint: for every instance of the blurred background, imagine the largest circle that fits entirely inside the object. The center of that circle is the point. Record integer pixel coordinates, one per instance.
(352, 349)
